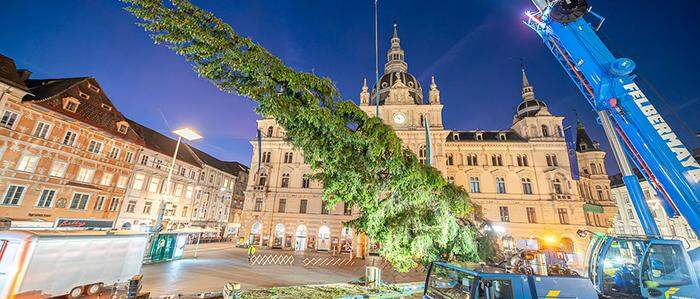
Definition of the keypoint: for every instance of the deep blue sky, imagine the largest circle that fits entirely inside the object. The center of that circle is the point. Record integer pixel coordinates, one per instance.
(472, 47)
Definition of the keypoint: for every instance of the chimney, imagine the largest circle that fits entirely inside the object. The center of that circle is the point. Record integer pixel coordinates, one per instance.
(24, 75)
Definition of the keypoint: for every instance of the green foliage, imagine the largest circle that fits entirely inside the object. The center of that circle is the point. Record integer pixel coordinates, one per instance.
(407, 207)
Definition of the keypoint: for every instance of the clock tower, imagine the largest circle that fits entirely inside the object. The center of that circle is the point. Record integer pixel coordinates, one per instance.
(401, 104)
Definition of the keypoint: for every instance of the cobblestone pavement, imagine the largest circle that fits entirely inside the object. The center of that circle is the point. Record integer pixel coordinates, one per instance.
(219, 263)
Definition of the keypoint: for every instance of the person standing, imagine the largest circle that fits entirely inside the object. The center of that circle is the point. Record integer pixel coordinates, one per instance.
(251, 252)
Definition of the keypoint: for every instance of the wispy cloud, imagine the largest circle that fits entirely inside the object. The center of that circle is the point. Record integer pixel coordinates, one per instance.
(453, 52)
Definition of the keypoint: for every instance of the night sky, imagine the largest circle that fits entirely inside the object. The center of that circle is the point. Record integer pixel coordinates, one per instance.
(472, 47)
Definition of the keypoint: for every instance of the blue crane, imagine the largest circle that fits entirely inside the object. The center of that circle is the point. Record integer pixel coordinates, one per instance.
(649, 265)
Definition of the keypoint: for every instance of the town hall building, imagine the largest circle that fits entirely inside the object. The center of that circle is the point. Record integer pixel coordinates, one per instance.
(521, 178)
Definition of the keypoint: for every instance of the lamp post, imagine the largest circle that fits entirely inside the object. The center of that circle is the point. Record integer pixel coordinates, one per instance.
(190, 135)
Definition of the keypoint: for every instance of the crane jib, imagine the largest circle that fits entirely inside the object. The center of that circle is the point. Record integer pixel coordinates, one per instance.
(662, 128)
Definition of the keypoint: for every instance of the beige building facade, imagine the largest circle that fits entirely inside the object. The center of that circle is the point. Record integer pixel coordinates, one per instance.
(147, 188)
(520, 177)
(627, 222)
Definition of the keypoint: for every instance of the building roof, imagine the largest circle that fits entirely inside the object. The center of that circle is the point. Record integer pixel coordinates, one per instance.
(229, 167)
(96, 110)
(511, 136)
(583, 141)
(616, 179)
(396, 71)
(530, 105)
(163, 144)
(9, 73)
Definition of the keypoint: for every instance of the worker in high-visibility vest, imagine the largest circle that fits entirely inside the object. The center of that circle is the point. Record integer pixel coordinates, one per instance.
(251, 252)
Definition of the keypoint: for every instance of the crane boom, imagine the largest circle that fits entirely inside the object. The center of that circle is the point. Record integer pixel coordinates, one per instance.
(608, 85)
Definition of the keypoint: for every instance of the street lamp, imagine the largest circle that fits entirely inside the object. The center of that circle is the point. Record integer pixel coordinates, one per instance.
(190, 135)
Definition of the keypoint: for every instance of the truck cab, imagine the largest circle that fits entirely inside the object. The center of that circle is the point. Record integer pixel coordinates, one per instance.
(641, 267)
(471, 281)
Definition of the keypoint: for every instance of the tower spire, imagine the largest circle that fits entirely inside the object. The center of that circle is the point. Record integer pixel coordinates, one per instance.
(528, 93)
(395, 56)
(526, 83)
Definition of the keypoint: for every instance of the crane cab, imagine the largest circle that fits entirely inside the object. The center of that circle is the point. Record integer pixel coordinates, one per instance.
(640, 267)
(471, 281)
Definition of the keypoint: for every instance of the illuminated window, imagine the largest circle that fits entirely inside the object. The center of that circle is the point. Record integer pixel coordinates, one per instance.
(27, 163)
(106, 179)
(85, 175)
(138, 181)
(58, 169)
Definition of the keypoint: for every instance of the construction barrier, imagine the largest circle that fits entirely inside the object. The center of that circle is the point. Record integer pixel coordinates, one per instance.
(327, 262)
(272, 259)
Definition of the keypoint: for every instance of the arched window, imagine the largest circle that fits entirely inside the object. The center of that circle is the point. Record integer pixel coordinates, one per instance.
(593, 169)
(422, 121)
(262, 181)
(545, 131)
(422, 154)
(474, 185)
(472, 160)
(600, 169)
(500, 185)
(497, 160)
(527, 185)
(285, 181)
(266, 157)
(270, 130)
(560, 133)
(255, 228)
(556, 183)
(599, 192)
(450, 160)
(288, 157)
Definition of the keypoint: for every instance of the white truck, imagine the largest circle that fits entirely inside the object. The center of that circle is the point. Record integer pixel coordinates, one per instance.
(67, 263)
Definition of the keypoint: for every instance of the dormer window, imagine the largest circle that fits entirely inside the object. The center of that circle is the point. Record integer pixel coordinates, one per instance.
(479, 136)
(84, 95)
(455, 136)
(122, 127)
(71, 104)
(93, 87)
(107, 107)
(502, 136)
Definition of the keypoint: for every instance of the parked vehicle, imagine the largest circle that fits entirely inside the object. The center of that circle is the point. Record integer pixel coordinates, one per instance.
(464, 281)
(72, 263)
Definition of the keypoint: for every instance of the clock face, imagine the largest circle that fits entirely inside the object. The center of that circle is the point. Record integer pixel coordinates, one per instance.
(399, 118)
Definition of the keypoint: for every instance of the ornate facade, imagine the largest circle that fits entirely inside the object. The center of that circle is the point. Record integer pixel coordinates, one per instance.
(521, 176)
(66, 151)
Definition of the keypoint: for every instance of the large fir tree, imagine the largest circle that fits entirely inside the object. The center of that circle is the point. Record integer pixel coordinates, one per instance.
(408, 208)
